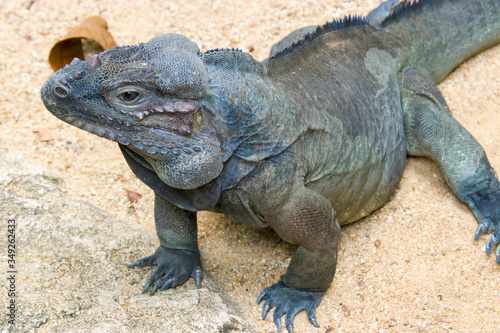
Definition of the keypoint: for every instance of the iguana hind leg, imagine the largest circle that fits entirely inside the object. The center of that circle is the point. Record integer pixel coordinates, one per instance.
(432, 131)
(308, 219)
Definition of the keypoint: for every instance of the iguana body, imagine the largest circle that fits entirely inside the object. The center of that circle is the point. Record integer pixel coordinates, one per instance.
(313, 137)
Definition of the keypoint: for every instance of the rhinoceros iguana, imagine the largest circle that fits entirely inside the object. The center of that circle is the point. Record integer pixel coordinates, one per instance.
(314, 137)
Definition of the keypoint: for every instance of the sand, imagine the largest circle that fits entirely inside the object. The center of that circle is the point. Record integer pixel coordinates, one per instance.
(411, 266)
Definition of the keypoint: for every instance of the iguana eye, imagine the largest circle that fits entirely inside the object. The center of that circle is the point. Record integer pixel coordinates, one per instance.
(128, 96)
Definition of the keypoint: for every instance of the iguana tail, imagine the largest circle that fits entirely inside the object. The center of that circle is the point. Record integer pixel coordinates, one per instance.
(441, 34)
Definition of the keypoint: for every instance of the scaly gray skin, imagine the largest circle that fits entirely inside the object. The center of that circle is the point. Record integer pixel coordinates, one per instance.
(314, 137)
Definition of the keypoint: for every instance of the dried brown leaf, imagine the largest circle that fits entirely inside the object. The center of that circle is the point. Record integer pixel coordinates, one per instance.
(92, 32)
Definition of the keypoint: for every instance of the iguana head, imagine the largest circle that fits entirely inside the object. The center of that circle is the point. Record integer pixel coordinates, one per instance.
(148, 97)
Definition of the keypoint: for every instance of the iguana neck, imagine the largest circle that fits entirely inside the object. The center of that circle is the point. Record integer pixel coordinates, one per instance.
(251, 112)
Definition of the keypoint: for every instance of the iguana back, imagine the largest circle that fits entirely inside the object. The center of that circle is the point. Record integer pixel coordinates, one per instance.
(340, 85)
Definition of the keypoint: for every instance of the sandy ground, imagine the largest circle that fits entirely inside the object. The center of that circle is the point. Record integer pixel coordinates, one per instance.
(411, 266)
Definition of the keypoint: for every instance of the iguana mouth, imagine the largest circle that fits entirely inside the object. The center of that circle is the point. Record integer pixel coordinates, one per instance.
(177, 119)
(183, 124)
(180, 118)
(147, 145)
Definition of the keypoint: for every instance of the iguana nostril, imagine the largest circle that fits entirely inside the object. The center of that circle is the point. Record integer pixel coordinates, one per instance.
(61, 91)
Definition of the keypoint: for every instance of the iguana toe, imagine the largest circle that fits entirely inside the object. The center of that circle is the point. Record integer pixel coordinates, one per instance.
(484, 227)
(494, 239)
(147, 261)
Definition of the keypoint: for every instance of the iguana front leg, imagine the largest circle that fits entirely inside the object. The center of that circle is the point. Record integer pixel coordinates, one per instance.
(308, 219)
(432, 131)
(178, 256)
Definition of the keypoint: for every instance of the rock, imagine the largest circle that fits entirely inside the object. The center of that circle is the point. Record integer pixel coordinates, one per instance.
(71, 262)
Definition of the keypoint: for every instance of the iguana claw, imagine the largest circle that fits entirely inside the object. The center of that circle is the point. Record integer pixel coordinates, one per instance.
(174, 267)
(198, 277)
(147, 285)
(289, 301)
(492, 240)
(484, 227)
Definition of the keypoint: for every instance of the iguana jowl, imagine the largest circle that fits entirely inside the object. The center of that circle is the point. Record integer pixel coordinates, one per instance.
(312, 138)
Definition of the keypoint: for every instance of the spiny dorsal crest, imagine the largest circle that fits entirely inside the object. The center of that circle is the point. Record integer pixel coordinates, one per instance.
(404, 7)
(337, 24)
